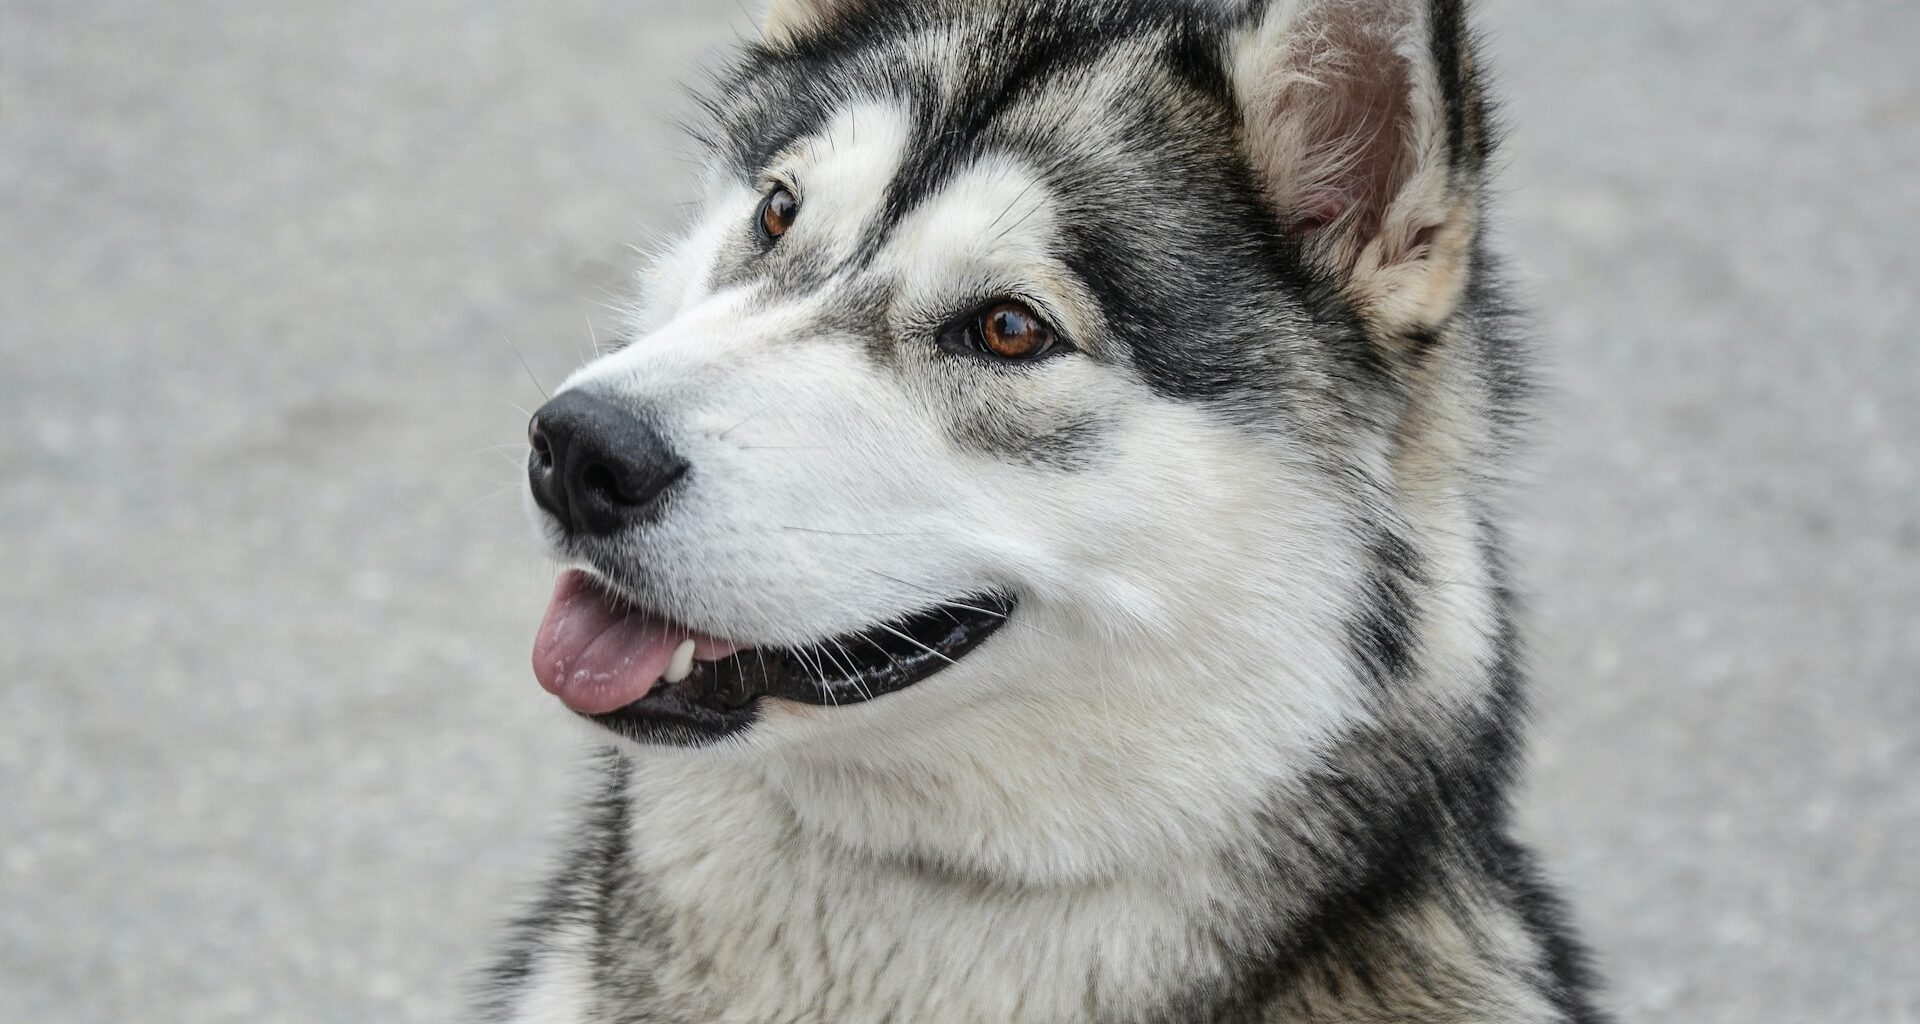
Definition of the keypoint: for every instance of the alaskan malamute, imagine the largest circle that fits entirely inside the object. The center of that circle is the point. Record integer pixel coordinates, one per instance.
(1036, 554)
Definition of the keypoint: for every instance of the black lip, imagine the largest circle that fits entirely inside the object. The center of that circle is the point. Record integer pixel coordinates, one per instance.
(724, 697)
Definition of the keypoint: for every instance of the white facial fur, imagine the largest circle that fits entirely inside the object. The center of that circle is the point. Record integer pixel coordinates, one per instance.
(828, 492)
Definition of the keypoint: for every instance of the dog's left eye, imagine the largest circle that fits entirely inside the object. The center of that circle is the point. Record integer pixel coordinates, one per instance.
(1010, 330)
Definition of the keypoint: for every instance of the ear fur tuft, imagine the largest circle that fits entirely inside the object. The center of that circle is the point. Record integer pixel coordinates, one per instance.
(791, 20)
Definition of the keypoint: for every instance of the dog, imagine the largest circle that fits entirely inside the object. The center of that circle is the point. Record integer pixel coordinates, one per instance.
(1036, 554)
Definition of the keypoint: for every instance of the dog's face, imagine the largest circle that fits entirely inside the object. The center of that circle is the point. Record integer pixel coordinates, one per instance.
(988, 404)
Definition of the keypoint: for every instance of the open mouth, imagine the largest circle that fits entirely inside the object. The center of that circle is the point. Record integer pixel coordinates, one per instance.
(653, 680)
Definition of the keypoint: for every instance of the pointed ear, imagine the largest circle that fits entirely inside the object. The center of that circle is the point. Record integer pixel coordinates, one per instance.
(1363, 120)
(790, 20)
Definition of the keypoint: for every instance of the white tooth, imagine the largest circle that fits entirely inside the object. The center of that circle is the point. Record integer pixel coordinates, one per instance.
(680, 666)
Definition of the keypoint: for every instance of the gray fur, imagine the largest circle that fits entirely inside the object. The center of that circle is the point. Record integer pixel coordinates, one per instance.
(1300, 813)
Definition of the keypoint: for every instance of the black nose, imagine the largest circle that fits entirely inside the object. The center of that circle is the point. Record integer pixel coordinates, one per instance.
(597, 467)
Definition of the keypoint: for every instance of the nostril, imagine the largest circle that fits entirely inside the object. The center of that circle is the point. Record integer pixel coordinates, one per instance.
(542, 449)
(600, 481)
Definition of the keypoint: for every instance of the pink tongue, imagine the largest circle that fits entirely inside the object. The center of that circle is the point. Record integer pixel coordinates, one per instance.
(598, 656)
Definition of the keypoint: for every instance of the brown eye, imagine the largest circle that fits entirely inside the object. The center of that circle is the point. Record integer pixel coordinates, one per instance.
(1012, 331)
(777, 212)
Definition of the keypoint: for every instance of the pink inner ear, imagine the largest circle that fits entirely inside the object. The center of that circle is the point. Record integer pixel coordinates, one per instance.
(1339, 118)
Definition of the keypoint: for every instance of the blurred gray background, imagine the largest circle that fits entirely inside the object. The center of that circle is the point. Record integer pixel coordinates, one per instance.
(269, 748)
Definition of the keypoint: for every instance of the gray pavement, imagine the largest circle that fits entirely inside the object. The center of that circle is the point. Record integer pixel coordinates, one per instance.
(269, 749)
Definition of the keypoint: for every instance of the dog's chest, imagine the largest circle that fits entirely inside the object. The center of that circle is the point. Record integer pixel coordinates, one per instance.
(737, 915)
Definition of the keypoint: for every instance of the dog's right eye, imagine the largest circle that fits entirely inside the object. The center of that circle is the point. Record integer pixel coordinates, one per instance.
(777, 212)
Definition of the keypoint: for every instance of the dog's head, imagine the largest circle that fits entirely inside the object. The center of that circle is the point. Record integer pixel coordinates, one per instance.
(1021, 404)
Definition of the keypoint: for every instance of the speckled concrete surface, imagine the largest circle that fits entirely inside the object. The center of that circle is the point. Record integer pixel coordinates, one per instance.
(268, 745)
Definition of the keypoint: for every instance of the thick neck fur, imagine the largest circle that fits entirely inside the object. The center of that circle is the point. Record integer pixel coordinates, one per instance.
(723, 906)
